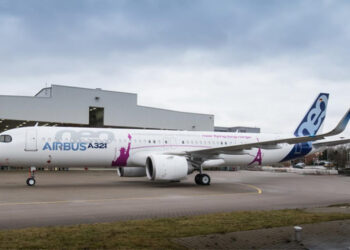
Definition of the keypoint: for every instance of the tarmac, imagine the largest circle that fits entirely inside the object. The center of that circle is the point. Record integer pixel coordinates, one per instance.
(321, 236)
(78, 197)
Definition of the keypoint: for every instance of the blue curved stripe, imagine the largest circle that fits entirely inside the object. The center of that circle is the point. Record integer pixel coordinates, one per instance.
(299, 150)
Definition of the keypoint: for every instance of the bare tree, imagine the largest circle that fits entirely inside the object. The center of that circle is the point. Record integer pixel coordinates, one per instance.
(338, 155)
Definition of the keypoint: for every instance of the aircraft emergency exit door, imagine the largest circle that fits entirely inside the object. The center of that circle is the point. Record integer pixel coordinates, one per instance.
(31, 140)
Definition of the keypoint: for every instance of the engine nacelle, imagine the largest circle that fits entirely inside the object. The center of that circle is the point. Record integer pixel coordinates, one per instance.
(131, 171)
(167, 167)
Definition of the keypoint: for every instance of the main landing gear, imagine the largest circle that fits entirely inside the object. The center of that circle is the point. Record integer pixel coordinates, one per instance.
(202, 179)
(31, 179)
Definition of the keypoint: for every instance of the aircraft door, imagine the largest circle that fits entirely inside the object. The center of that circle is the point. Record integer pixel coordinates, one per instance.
(31, 140)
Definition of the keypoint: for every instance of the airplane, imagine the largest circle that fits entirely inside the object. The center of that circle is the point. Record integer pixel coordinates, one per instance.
(162, 155)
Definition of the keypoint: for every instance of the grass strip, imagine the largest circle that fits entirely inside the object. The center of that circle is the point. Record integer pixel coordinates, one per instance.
(155, 233)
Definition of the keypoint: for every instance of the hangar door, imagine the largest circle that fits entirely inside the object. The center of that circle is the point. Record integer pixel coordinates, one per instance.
(31, 140)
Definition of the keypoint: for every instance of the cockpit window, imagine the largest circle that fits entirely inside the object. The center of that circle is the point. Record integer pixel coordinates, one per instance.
(5, 138)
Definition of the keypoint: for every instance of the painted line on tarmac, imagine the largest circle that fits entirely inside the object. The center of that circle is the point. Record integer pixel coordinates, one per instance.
(258, 191)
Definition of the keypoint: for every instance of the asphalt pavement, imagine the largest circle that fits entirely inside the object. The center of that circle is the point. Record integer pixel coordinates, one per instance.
(77, 197)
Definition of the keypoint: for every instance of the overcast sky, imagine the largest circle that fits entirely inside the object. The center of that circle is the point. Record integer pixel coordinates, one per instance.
(250, 63)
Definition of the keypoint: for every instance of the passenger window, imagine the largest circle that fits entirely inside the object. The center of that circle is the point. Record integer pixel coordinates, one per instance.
(5, 138)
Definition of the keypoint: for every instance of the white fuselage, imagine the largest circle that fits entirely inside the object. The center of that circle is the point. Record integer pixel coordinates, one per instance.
(104, 147)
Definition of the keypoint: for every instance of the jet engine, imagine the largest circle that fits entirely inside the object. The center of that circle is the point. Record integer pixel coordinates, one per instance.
(131, 171)
(167, 167)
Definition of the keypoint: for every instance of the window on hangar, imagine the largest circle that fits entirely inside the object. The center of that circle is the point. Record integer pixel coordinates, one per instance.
(96, 116)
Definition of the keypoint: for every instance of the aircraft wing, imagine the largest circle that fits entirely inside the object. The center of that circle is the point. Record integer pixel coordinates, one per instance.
(330, 143)
(273, 144)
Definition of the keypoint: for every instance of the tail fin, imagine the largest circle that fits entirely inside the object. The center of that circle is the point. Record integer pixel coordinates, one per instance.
(314, 118)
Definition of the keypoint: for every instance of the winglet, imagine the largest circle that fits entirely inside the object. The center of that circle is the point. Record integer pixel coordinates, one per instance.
(341, 125)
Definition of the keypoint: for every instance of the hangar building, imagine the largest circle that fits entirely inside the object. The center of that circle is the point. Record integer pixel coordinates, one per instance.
(72, 106)
(237, 129)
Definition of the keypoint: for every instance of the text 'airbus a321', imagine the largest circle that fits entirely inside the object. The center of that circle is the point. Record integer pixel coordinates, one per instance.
(159, 154)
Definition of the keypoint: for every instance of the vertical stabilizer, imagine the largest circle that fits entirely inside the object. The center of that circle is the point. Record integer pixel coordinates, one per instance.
(314, 118)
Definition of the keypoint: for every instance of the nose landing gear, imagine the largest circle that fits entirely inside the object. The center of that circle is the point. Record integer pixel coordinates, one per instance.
(31, 179)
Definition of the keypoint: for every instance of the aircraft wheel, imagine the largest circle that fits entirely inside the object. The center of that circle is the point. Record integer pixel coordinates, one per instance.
(197, 179)
(30, 182)
(205, 179)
